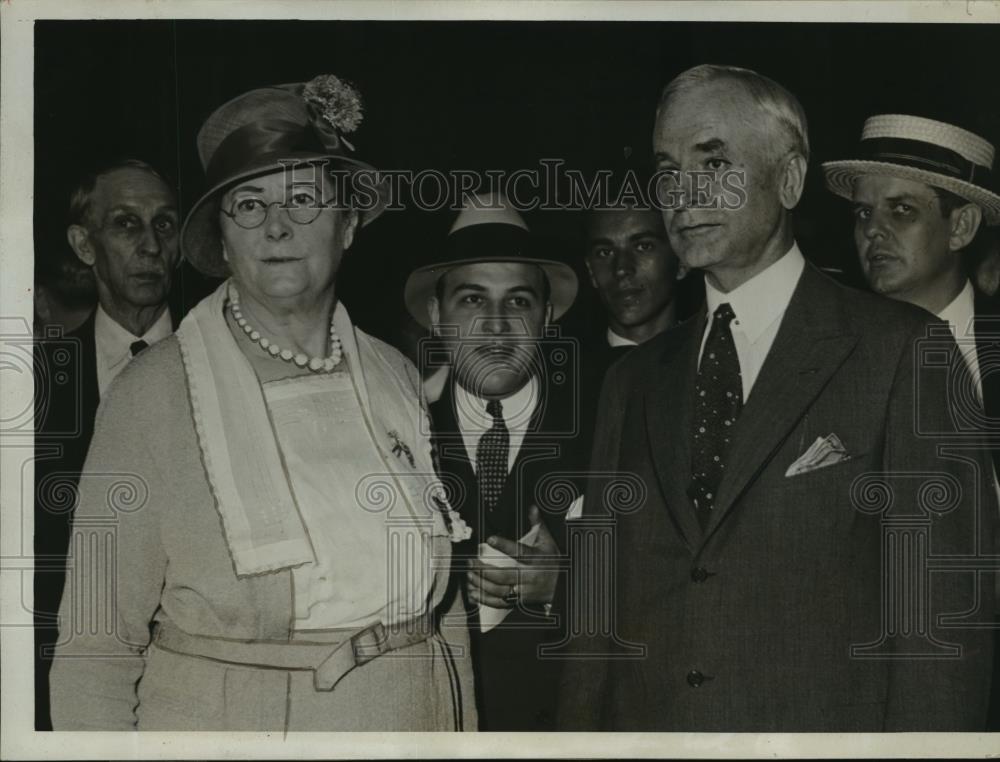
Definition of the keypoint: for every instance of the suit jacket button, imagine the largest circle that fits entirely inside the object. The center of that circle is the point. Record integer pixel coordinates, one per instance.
(699, 574)
(695, 678)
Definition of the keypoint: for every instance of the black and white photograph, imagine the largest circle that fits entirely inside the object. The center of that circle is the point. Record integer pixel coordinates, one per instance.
(470, 379)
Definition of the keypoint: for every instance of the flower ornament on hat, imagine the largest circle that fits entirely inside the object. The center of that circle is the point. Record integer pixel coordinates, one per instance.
(489, 229)
(925, 151)
(273, 129)
(336, 102)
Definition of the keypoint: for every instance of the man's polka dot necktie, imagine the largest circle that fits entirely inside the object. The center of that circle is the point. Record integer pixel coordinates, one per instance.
(718, 402)
(491, 457)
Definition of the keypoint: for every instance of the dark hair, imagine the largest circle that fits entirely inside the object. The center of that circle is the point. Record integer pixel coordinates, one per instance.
(627, 190)
(590, 215)
(82, 194)
(546, 286)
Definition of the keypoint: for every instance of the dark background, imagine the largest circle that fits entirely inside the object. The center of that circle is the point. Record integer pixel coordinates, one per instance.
(476, 95)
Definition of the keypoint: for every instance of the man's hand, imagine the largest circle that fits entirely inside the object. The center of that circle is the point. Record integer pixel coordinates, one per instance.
(532, 580)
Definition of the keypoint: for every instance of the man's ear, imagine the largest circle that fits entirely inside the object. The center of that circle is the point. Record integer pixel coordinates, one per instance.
(965, 222)
(791, 179)
(590, 272)
(549, 310)
(434, 310)
(79, 240)
(350, 227)
(225, 254)
(682, 270)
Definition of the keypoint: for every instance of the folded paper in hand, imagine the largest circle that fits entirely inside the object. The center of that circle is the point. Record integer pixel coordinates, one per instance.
(825, 451)
(575, 509)
(490, 617)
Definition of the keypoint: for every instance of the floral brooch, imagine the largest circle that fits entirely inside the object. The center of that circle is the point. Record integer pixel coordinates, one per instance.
(401, 449)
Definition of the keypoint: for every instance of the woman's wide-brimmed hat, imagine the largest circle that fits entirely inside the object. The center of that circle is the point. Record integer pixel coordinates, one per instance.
(267, 130)
(489, 230)
(925, 151)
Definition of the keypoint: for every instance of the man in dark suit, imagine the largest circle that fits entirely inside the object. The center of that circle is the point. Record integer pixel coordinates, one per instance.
(505, 431)
(123, 225)
(789, 443)
(919, 203)
(635, 274)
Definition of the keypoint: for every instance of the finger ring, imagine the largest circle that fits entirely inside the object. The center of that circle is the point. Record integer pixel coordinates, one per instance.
(511, 596)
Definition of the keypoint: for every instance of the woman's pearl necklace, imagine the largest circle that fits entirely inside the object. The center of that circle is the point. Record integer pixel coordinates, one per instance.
(315, 364)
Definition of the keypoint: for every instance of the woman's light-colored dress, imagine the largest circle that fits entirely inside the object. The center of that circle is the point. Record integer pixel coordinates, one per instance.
(150, 546)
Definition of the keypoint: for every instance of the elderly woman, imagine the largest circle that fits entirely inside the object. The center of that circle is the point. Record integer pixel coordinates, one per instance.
(261, 542)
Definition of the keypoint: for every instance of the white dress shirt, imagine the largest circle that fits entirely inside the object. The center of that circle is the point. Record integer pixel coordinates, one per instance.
(759, 304)
(959, 316)
(113, 344)
(614, 340)
(474, 421)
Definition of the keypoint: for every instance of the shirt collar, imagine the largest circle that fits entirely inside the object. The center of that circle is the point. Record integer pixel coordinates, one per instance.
(518, 408)
(762, 299)
(116, 340)
(960, 312)
(614, 340)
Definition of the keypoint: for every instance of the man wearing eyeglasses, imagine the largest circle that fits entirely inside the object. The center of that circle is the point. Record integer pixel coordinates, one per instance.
(124, 226)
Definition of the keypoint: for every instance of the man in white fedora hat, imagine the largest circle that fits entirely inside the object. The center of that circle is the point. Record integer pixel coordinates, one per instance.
(505, 427)
(920, 197)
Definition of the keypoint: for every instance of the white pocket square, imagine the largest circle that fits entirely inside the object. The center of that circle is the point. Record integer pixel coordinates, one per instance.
(825, 451)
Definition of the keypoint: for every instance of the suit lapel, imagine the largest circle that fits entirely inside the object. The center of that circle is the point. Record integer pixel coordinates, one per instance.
(538, 455)
(453, 459)
(812, 343)
(668, 402)
(90, 392)
(987, 335)
(543, 453)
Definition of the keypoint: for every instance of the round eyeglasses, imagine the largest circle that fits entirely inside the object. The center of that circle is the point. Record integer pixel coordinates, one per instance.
(250, 213)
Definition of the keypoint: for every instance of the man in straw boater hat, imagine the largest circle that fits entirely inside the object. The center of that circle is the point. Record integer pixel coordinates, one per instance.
(920, 194)
(778, 438)
(284, 461)
(505, 428)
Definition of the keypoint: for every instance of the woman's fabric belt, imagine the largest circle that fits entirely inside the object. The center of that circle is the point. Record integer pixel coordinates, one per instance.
(329, 654)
